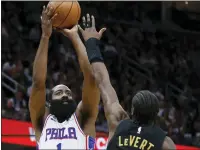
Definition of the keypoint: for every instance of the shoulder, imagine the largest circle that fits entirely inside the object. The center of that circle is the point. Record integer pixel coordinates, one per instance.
(168, 144)
(125, 122)
(124, 125)
(160, 131)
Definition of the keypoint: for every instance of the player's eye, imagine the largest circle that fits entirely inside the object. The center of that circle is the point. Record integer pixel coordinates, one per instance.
(68, 93)
(59, 93)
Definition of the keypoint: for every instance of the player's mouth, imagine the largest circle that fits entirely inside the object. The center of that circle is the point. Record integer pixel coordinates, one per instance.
(65, 102)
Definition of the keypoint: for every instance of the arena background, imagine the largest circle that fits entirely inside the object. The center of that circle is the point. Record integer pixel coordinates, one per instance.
(147, 45)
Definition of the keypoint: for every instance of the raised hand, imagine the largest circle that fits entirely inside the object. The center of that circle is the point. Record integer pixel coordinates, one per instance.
(46, 20)
(90, 29)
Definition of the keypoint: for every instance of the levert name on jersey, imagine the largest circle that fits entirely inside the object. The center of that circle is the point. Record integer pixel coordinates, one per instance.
(135, 141)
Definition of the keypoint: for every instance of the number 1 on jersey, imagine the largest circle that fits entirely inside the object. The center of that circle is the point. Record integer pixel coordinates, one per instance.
(59, 146)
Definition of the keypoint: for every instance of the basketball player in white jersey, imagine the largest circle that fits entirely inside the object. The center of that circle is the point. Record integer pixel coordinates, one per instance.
(62, 125)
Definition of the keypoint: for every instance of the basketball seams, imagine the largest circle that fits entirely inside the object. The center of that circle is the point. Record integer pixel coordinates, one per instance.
(57, 7)
(67, 14)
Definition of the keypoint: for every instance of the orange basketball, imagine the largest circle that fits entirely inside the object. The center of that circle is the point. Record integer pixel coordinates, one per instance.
(69, 13)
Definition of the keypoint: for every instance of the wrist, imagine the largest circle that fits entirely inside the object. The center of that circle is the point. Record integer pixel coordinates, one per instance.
(74, 37)
(94, 39)
(93, 50)
(92, 42)
(44, 36)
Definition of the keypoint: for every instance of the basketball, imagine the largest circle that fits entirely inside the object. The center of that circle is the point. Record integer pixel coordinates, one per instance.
(68, 13)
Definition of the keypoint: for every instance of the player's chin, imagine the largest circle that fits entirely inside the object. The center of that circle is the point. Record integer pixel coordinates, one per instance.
(70, 110)
(69, 114)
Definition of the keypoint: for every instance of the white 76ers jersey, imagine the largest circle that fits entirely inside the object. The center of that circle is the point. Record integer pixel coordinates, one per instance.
(64, 136)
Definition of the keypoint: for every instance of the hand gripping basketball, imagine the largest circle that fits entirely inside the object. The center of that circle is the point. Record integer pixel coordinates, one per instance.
(89, 30)
(46, 20)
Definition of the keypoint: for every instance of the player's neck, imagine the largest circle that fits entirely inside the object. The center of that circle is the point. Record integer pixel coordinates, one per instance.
(61, 119)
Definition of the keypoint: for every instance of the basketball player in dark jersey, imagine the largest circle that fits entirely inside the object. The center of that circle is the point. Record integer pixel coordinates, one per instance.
(137, 132)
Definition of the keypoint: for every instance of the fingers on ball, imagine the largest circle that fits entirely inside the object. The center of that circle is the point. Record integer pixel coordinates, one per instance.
(54, 17)
(44, 8)
(50, 12)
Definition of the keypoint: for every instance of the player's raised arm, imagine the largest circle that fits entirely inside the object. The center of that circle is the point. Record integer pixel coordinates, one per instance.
(113, 110)
(37, 97)
(88, 107)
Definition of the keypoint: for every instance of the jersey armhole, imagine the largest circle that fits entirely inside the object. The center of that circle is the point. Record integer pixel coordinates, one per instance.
(45, 120)
(90, 141)
(76, 120)
(44, 125)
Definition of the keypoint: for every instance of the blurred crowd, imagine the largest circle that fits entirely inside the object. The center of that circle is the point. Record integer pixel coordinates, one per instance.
(137, 57)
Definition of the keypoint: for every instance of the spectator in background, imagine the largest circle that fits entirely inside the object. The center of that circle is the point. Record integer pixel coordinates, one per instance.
(17, 106)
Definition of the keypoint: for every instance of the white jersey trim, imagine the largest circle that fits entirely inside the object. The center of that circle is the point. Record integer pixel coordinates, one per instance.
(76, 120)
(44, 124)
(86, 137)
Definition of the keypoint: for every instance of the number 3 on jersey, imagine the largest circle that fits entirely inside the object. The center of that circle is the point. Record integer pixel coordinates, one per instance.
(139, 130)
(59, 146)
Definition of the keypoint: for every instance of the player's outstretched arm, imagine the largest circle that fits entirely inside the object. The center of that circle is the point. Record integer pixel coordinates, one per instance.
(37, 97)
(168, 144)
(113, 110)
(88, 107)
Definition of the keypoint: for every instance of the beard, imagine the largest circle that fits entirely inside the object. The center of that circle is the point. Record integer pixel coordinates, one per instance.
(63, 109)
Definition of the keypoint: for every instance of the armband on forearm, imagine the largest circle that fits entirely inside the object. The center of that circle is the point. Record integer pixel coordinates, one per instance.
(93, 50)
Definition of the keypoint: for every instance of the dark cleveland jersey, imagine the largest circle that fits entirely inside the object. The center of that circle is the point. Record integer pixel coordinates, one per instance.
(131, 136)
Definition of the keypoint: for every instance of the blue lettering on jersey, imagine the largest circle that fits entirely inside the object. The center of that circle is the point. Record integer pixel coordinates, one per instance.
(60, 133)
(91, 143)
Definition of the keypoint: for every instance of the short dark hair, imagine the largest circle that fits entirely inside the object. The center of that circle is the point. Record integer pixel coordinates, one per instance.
(145, 106)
